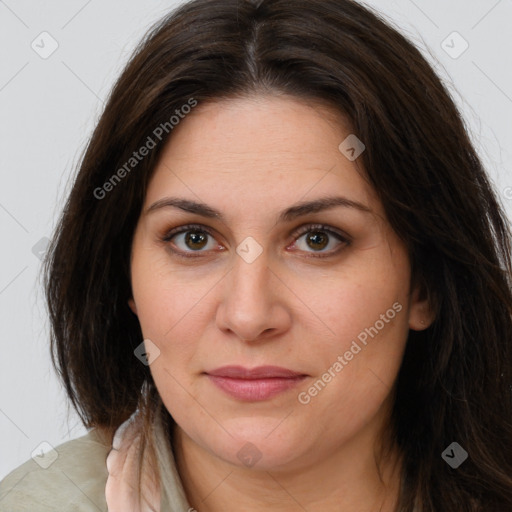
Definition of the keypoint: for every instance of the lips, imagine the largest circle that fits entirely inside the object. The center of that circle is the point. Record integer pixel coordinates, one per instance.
(254, 384)
(261, 372)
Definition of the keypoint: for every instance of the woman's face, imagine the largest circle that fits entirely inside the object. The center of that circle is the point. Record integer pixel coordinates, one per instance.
(278, 277)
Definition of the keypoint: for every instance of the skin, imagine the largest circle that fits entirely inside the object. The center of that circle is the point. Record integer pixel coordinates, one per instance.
(251, 158)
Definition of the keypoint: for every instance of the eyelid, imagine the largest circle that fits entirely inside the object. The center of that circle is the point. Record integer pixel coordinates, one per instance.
(182, 229)
(306, 228)
(342, 237)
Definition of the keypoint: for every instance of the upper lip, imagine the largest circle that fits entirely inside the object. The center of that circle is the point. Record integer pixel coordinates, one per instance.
(260, 372)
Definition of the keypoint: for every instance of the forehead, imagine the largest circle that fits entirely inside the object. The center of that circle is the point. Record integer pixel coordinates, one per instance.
(259, 149)
(260, 127)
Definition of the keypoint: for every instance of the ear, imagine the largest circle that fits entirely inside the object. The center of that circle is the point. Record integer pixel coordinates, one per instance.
(421, 315)
(132, 305)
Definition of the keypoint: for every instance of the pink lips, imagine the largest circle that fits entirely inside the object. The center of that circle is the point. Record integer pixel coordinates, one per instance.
(254, 384)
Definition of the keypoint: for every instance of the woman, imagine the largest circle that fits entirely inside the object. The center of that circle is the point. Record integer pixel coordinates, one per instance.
(281, 280)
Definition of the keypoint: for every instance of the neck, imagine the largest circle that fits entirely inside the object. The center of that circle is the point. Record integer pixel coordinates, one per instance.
(347, 480)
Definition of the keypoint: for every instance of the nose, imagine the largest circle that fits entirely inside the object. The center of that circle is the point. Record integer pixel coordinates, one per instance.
(252, 304)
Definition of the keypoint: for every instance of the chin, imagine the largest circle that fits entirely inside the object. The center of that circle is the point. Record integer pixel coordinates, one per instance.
(256, 445)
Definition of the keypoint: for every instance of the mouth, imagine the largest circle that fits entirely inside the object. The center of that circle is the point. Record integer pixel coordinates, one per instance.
(255, 384)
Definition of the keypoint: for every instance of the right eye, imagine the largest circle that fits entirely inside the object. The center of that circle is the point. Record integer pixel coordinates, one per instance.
(190, 239)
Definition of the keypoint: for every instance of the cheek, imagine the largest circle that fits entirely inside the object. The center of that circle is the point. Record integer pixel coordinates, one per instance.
(172, 311)
(166, 297)
(362, 316)
(342, 305)
(356, 372)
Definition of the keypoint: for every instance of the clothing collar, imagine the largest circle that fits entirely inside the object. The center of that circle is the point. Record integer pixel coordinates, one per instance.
(121, 489)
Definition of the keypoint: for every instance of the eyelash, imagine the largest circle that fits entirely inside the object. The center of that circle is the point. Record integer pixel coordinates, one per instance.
(298, 233)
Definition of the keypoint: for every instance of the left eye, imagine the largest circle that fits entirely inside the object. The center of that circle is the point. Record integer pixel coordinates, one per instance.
(319, 238)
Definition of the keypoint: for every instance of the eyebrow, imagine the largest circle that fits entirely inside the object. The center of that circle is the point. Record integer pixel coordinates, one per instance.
(291, 213)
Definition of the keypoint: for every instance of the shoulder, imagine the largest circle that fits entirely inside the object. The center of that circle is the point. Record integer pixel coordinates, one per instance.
(73, 482)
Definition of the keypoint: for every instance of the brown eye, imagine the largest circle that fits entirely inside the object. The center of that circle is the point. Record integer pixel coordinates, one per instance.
(190, 239)
(196, 239)
(316, 238)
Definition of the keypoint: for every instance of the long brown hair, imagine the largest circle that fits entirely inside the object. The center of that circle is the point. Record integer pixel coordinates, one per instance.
(455, 382)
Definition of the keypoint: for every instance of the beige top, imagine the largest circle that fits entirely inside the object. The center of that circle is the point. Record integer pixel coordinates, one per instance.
(74, 482)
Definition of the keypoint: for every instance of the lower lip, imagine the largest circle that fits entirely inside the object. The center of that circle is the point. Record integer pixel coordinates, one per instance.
(255, 389)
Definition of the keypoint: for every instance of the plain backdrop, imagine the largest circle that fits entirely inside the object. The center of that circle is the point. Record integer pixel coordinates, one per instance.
(50, 103)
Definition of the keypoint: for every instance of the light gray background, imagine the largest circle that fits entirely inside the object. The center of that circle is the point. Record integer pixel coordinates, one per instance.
(48, 109)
